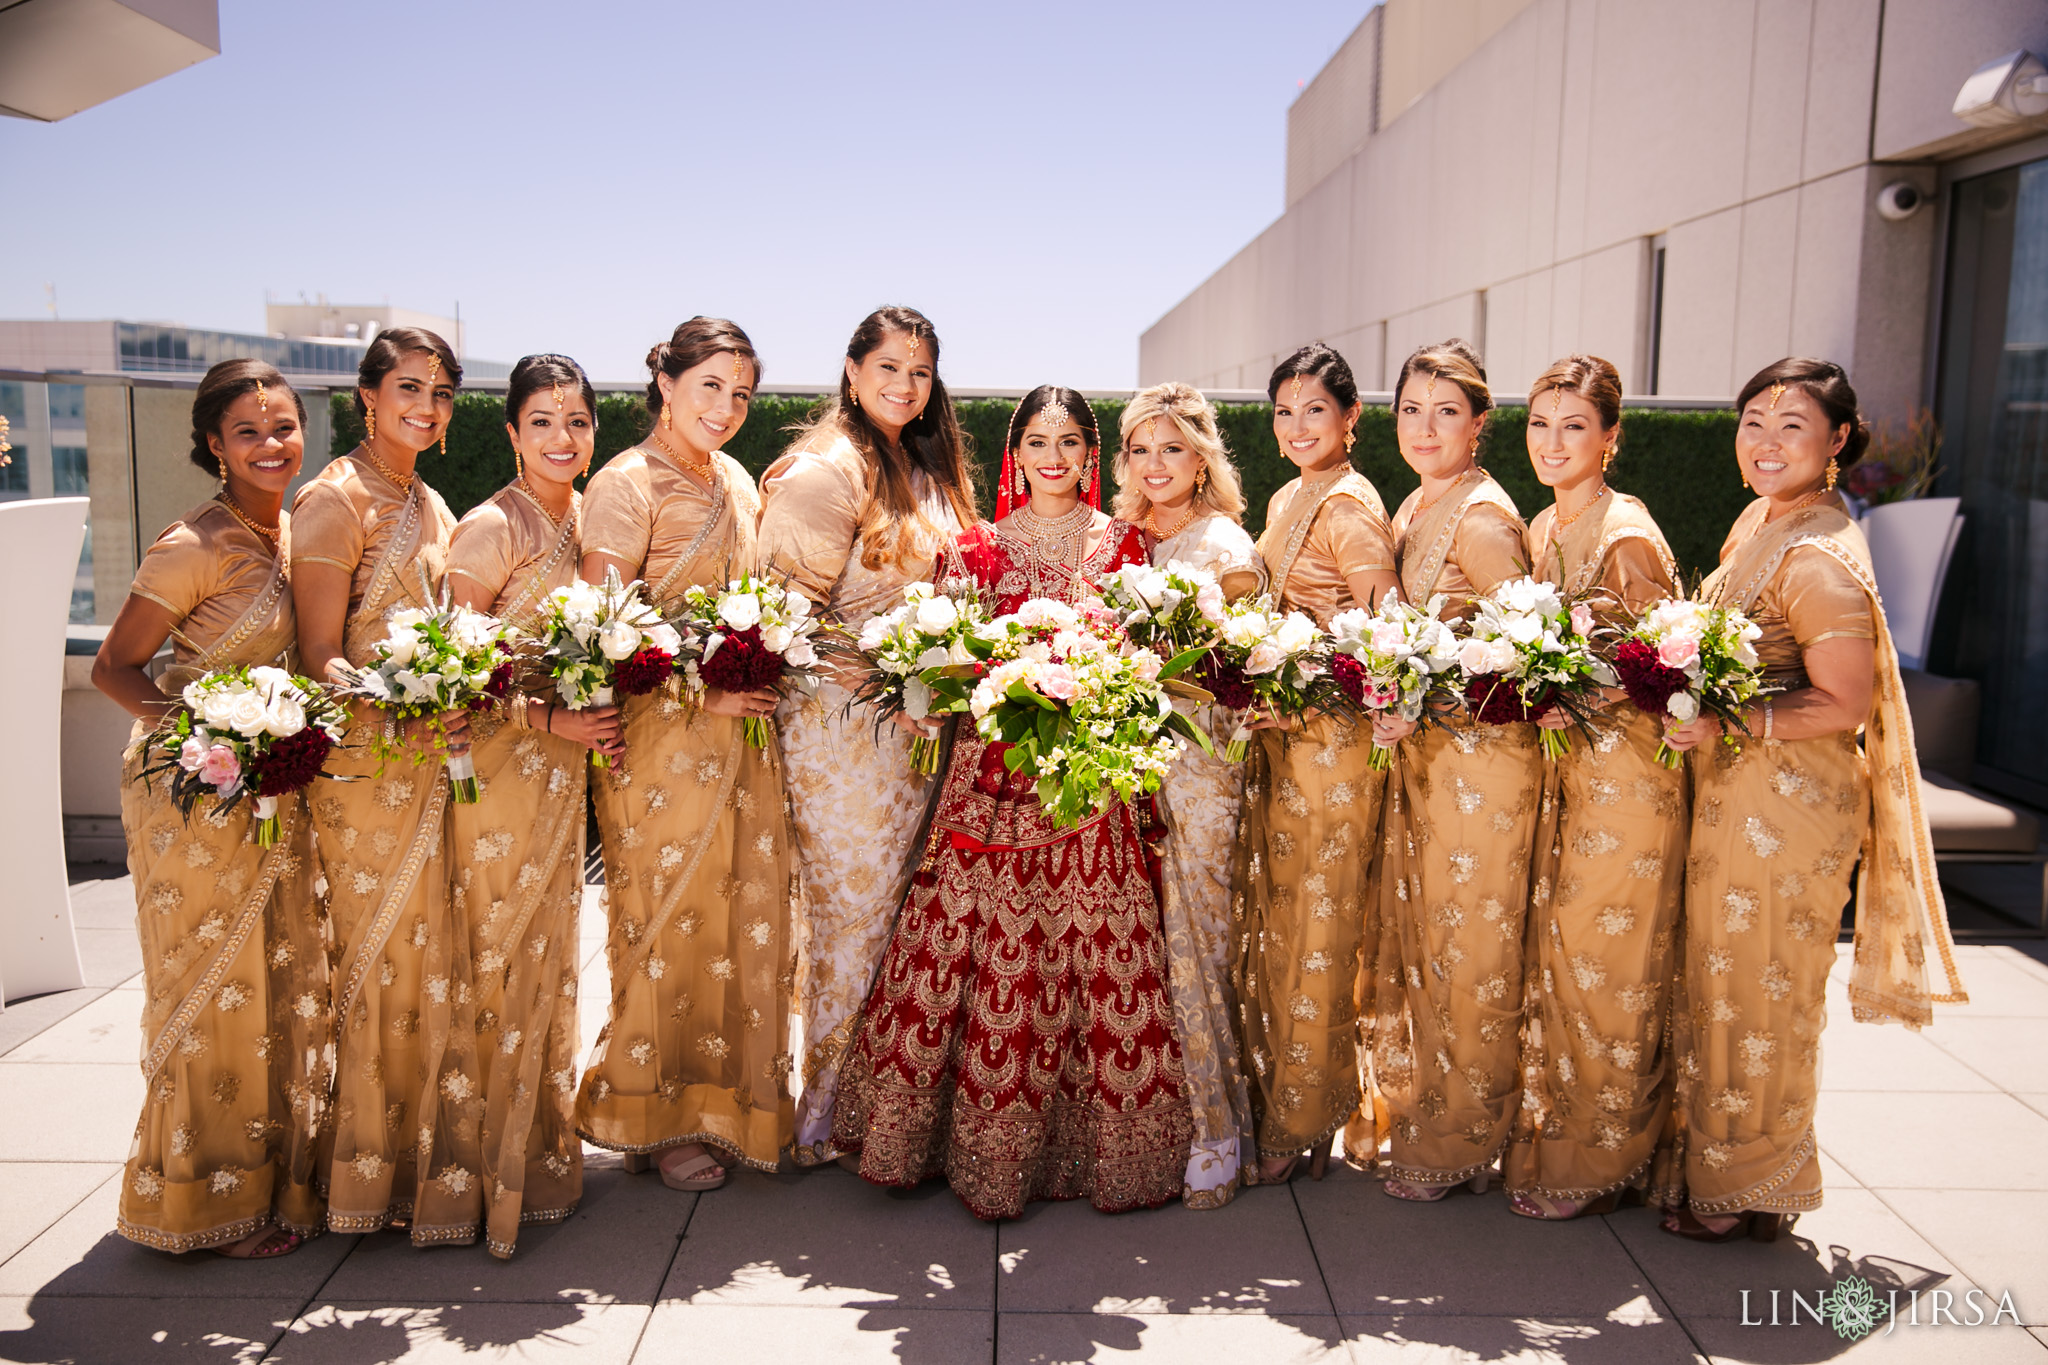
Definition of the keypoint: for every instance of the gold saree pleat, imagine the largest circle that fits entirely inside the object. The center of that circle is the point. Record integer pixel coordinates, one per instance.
(236, 1039)
(408, 1109)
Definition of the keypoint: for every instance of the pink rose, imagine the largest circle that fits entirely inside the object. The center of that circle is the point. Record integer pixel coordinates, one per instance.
(1057, 681)
(1264, 658)
(1146, 664)
(1386, 637)
(192, 754)
(1678, 651)
(1209, 601)
(1582, 618)
(220, 768)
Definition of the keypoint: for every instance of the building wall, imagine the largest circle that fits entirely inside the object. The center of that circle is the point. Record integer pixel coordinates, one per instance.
(1515, 200)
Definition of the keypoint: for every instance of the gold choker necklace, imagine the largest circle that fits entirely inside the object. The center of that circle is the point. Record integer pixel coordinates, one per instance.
(402, 482)
(1152, 521)
(268, 534)
(1564, 521)
(1054, 540)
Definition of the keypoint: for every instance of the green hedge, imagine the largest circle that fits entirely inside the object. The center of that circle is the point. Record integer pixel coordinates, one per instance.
(1680, 463)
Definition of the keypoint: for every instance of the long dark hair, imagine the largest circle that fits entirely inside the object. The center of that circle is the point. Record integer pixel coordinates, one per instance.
(932, 442)
(394, 344)
(1828, 385)
(223, 384)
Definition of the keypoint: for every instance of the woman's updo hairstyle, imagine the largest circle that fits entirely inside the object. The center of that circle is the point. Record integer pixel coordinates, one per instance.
(541, 374)
(1187, 409)
(218, 391)
(693, 343)
(1828, 385)
(1321, 363)
(1590, 377)
(1042, 397)
(1454, 360)
(391, 346)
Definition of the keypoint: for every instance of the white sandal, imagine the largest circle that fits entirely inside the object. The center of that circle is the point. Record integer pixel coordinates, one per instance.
(692, 1174)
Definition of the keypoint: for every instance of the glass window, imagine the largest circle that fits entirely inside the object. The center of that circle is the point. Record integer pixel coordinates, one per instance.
(1993, 403)
(14, 475)
(68, 471)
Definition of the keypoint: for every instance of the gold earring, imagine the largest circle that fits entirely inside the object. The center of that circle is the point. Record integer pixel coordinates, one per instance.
(854, 393)
(1022, 489)
(518, 464)
(370, 422)
(1350, 440)
(1834, 472)
(444, 439)
(1201, 480)
(1745, 477)
(1606, 459)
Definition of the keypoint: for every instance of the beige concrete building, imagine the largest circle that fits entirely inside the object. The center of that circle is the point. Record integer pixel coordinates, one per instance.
(1688, 187)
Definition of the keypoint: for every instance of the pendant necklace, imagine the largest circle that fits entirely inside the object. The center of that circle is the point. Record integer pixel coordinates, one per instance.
(1057, 540)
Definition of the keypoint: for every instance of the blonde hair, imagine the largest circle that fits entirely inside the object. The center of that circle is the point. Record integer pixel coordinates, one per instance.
(1184, 406)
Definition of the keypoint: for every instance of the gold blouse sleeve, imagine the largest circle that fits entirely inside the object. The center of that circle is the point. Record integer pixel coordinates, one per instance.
(618, 517)
(326, 528)
(1354, 537)
(1488, 547)
(482, 550)
(178, 572)
(809, 520)
(1822, 601)
(1635, 576)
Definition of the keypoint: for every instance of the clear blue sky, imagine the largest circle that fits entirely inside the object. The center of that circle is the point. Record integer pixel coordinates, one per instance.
(1043, 180)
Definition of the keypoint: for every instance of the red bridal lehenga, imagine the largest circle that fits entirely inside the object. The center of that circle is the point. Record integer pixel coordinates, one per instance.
(1019, 1038)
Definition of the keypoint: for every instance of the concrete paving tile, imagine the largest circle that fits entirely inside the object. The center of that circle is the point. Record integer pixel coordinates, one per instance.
(24, 1019)
(68, 1113)
(826, 1238)
(1861, 1057)
(1854, 1232)
(1632, 1335)
(1462, 1255)
(106, 904)
(2040, 1334)
(1834, 1175)
(1727, 1342)
(613, 1249)
(691, 1333)
(109, 956)
(2006, 1050)
(81, 1256)
(336, 1332)
(2001, 983)
(1068, 1338)
(1999, 1238)
(106, 1032)
(146, 1331)
(36, 1194)
(1251, 1257)
(1961, 1141)
(2037, 1103)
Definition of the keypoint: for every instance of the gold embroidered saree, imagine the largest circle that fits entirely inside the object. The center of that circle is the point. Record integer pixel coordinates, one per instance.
(1603, 914)
(408, 1110)
(518, 859)
(855, 802)
(1776, 827)
(697, 856)
(1302, 915)
(234, 968)
(1454, 885)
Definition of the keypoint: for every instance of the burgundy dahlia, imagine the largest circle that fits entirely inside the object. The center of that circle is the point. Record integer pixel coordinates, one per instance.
(496, 689)
(742, 663)
(1350, 675)
(292, 762)
(1226, 682)
(1650, 685)
(646, 670)
(1494, 700)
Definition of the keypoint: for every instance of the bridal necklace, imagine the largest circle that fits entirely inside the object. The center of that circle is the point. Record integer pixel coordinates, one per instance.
(1055, 540)
(267, 534)
(1152, 521)
(403, 482)
(701, 468)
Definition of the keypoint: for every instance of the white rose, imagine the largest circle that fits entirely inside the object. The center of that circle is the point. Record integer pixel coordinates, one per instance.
(286, 717)
(937, 615)
(1209, 601)
(1296, 633)
(1473, 657)
(1683, 706)
(1519, 595)
(1524, 628)
(874, 634)
(777, 638)
(740, 611)
(247, 716)
(619, 640)
(1500, 656)
(1264, 658)
(664, 638)
(801, 653)
(400, 645)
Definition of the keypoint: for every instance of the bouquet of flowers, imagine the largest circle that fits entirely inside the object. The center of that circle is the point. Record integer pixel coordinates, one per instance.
(597, 643)
(749, 635)
(1684, 657)
(429, 662)
(1279, 663)
(1169, 610)
(245, 731)
(1399, 659)
(1527, 651)
(925, 655)
(1084, 710)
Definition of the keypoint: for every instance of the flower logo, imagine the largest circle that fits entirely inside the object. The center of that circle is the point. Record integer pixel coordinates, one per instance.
(1852, 1308)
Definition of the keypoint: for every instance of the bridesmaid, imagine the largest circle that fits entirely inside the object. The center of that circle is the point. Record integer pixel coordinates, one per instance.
(860, 506)
(371, 538)
(518, 852)
(1176, 482)
(1460, 821)
(1779, 819)
(1019, 1039)
(698, 861)
(1312, 800)
(234, 1011)
(1611, 848)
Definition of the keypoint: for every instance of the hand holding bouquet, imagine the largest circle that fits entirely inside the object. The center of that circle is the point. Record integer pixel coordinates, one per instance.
(925, 656)
(751, 635)
(598, 643)
(1527, 651)
(1282, 661)
(1396, 660)
(433, 662)
(1685, 657)
(245, 731)
(1084, 710)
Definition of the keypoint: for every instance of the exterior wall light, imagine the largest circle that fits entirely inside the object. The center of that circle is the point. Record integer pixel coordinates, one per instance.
(1899, 201)
(2012, 89)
